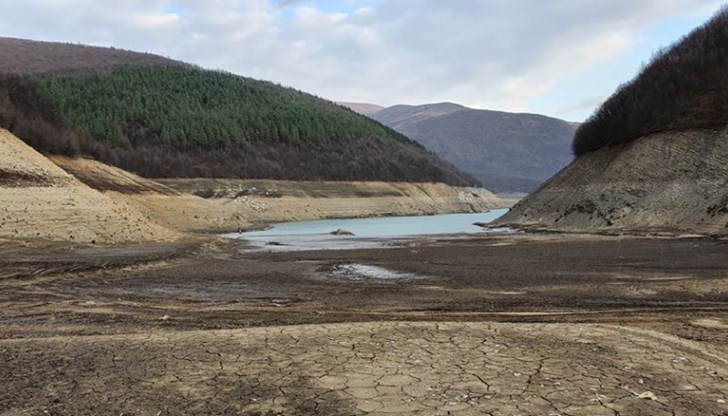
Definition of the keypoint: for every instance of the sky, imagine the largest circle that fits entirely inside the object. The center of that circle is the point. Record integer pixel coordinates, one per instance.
(561, 58)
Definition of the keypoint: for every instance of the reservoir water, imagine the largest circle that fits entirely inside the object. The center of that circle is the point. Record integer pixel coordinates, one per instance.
(367, 232)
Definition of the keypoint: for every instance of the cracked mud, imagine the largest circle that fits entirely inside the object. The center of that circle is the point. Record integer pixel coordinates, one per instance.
(369, 369)
(588, 326)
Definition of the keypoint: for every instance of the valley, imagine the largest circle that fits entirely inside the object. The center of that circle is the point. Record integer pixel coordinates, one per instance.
(128, 181)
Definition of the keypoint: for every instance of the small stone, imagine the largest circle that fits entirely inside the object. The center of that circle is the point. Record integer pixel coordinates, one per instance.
(341, 232)
(648, 395)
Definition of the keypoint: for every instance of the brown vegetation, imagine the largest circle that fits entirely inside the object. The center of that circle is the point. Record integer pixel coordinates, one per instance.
(684, 87)
(22, 56)
(652, 159)
(106, 178)
(11, 179)
(29, 114)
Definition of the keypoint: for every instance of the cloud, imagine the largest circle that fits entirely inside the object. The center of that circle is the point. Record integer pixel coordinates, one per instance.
(498, 54)
(284, 3)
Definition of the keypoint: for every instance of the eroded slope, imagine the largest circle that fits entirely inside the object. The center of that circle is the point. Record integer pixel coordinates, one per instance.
(40, 201)
(665, 182)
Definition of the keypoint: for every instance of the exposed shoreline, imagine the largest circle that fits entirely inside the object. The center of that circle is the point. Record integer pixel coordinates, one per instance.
(229, 211)
(176, 316)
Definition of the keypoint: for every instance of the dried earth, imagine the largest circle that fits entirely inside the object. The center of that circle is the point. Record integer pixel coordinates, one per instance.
(672, 182)
(40, 201)
(224, 205)
(501, 325)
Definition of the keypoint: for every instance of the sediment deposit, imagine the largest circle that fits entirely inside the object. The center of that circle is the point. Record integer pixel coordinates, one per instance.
(669, 182)
(40, 201)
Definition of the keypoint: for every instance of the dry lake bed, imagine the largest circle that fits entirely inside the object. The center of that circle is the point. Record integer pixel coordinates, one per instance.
(464, 325)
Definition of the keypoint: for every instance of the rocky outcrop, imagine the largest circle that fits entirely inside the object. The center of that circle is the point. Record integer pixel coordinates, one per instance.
(341, 232)
(669, 182)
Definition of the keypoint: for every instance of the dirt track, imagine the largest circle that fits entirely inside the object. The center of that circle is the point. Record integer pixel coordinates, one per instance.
(588, 325)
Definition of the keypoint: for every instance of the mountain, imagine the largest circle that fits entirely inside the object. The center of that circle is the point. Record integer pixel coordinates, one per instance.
(654, 157)
(402, 116)
(162, 118)
(362, 108)
(507, 152)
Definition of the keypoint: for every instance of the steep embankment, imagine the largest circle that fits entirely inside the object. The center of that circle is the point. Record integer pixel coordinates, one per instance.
(664, 182)
(159, 203)
(507, 152)
(654, 157)
(39, 201)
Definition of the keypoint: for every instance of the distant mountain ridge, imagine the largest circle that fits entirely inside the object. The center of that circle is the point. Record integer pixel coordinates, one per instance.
(362, 108)
(402, 115)
(157, 117)
(507, 152)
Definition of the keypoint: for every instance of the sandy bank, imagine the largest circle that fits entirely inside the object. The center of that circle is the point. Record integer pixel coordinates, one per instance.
(278, 201)
(39, 201)
(218, 205)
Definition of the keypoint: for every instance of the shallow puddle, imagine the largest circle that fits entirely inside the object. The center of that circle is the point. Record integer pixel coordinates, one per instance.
(357, 271)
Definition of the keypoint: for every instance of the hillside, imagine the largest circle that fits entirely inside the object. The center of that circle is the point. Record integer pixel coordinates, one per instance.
(401, 116)
(362, 108)
(683, 87)
(42, 202)
(22, 56)
(160, 118)
(507, 152)
(655, 156)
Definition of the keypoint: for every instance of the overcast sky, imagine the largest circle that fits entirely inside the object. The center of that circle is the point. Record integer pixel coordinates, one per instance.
(555, 57)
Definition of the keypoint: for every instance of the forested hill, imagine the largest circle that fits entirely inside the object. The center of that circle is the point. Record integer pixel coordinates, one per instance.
(672, 175)
(161, 118)
(684, 87)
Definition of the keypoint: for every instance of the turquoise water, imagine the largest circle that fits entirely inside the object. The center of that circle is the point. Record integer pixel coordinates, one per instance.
(368, 232)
